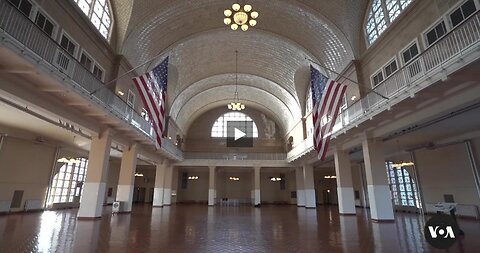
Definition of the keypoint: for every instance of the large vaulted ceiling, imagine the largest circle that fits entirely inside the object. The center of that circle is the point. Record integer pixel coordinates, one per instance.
(272, 60)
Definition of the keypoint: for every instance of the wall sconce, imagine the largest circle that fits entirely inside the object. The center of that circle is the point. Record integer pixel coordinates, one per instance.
(193, 178)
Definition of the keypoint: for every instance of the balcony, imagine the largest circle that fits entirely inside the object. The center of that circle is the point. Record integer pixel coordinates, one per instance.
(455, 50)
(236, 156)
(23, 36)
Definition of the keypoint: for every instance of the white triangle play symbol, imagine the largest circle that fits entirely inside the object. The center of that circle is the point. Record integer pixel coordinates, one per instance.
(238, 134)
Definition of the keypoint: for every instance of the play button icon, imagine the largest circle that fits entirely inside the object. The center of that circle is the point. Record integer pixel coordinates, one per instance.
(240, 134)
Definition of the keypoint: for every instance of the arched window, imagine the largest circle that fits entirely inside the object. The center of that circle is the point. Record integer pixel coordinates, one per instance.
(99, 13)
(219, 128)
(381, 14)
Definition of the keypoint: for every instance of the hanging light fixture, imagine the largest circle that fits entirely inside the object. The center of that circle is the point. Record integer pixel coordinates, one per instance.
(239, 16)
(235, 105)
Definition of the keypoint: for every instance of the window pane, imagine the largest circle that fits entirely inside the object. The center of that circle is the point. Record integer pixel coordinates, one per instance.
(456, 17)
(468, 8)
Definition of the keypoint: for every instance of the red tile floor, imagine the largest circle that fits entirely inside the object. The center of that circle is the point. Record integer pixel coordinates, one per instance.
(197, 228)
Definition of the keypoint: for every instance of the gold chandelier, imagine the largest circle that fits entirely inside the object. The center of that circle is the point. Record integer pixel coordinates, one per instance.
(239, 16)
(235, 105)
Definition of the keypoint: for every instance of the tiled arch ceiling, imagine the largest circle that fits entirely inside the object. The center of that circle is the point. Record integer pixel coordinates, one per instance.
(195, 60)
(280, 100)
(156, 26)
(202, 47)
(209, 98)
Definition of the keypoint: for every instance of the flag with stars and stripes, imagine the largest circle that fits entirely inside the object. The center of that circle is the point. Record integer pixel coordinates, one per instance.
(327, 98)
(152, 87)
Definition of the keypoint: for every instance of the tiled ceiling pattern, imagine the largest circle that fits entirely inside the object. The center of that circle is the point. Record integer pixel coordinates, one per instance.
(221, 95)
(201, 46)
(284, 101)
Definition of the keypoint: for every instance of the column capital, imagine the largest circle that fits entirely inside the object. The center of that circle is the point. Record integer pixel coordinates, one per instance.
(212, 166)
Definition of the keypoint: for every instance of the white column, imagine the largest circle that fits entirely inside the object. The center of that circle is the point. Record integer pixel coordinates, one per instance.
(126, 179)
(95, 184)
(256, 173)
(167, 186)
(309, 187)
(159, 184)
(345, 192)
(381, 208)
(211, 186)
(300, 190)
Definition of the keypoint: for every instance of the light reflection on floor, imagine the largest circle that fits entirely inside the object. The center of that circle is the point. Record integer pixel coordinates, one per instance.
(195, 228)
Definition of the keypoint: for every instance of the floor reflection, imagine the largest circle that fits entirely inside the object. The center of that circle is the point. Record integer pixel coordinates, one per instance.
(197, 228)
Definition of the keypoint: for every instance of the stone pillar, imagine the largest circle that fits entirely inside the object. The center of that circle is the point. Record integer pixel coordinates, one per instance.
(159, 184)
(345, 192)
(309, 187)
(256, 173)
(126, 180)
(381, 208)
(96, 180)
(300, 190)
(167, 186)
(211, 186)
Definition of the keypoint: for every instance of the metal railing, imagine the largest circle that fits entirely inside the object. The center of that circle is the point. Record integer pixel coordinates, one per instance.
(449, 47)
(30, 36)
(236, 156)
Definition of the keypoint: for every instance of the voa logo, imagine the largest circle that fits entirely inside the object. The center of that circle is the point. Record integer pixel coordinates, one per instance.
(445, 232)
(441, 231)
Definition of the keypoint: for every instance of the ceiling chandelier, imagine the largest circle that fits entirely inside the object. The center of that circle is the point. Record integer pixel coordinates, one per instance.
(239, 16)
(235, 105)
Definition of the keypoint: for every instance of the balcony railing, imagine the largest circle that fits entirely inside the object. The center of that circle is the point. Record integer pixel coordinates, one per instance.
(433, 59)
(450, 46)
(19, 27)
(236, 156)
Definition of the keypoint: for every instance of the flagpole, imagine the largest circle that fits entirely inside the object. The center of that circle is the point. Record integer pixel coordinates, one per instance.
(347, 78)
(107, 84)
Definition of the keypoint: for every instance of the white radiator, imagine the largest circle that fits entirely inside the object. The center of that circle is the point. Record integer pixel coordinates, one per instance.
(33, 204)
(5, 206)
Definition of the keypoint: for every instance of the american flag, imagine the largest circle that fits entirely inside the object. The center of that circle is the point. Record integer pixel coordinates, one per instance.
(152, 87)
(327, 98)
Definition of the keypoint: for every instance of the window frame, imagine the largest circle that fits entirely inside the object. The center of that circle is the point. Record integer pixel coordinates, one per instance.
(376, 73)
(224, 126)
(37, 9)
(456, 7)
(83, 51)
(393, 59)
(404, 49)
(77, 46)
(434, 26)
(32, 10)
(88, 18)
(96, 64)
(388, 20)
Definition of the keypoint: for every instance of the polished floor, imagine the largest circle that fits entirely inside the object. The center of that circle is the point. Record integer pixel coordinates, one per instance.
(197, 228)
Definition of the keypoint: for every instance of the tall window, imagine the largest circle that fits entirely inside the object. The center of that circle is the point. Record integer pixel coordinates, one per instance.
(98, 11)
(381, 14)
(219, 128)
(68, 182)
(402, 186)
